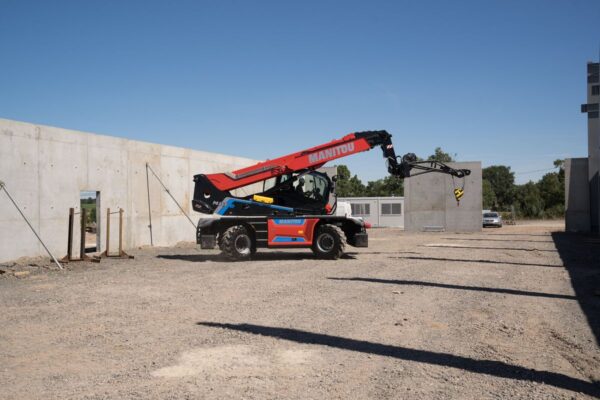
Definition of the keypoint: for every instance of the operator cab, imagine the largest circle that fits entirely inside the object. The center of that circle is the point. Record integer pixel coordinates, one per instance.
(306, 191)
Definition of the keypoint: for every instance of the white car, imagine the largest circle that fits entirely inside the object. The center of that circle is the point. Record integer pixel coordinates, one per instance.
(492, 218)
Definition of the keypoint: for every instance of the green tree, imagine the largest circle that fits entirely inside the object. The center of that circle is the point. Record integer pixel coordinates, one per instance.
(488, 195)
(503, 184)
(374, 188)
(528, 200)
(91, 215)
(440, 155)
(560, 164)
(552, 194)
(347, 185)
(388, 186)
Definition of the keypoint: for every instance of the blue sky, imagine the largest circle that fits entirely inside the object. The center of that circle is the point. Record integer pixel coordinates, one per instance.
(496, 81)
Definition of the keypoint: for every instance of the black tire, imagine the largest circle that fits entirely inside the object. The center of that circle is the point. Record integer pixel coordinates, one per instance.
(329, 242)
(237, 243)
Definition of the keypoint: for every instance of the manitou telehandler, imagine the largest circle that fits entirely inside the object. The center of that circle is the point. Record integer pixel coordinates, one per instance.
(296, 206)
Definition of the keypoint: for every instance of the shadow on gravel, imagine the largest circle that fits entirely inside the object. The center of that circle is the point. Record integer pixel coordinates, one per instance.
(384, 252)
(499, 240)
(510, 234)
(581, 256)
(271, 256)
(459, 287)
(461, 260)
(487, 248)
(487, 367)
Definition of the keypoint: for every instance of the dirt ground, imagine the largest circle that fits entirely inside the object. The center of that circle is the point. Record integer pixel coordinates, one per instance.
(505, 313)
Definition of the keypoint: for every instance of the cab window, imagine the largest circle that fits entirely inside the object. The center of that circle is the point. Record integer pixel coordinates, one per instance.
(311, 186)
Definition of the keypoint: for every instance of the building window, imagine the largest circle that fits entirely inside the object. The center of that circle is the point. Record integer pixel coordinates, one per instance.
(590, 107)
(593, 72)
(593, 114)
(595, 90)
(360, 208)
(391, 208)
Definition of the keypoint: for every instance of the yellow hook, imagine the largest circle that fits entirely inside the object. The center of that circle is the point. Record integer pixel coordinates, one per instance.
(458, 194)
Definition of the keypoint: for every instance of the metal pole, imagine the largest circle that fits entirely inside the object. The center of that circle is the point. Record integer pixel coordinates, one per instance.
(169, 193)
(3, 186)
(149, 208)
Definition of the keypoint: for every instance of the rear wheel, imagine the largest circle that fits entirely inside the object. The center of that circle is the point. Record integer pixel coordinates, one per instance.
(329, 242)
(236, 243)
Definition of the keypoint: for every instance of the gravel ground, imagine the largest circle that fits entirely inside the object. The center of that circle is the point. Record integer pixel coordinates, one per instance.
(505, 313)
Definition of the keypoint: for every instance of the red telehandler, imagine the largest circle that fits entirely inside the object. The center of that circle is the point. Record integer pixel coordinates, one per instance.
(296, 208)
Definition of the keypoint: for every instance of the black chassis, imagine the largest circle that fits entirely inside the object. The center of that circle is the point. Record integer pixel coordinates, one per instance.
(209, 229)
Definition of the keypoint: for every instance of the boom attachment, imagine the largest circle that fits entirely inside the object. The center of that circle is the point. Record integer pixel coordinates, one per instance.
(409, 162)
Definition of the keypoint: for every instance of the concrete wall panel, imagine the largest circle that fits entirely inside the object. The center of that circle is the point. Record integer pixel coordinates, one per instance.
(467, 215)
(62, 174)
(19, 241)
(46, 168)
(19, 170)
(430, 201)
(176, 177)
(577, 195)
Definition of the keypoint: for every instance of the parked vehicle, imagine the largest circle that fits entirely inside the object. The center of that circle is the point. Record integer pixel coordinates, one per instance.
(492, 218)
(343, 209)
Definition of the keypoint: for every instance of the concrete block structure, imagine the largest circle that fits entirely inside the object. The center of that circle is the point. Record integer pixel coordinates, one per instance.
(430, 202)
(577, 195)
(378, 211)
(46, 168)
(592, 109)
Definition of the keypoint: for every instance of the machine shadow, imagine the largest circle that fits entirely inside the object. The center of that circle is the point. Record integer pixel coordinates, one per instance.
(498, 240)
(511, 234)
(582, 261)
(259, 256)
(486, 367)
(459, 287)
(382, 252)
(489, 248)
(460, 260)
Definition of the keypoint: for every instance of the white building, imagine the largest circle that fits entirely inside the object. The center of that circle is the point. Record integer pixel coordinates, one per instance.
(378, 211)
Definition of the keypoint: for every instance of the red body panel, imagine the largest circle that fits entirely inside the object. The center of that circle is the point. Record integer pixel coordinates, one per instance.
(291, 232)
(312, 158)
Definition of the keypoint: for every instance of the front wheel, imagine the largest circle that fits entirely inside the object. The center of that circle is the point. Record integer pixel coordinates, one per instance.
(236, 243)
(329, 242)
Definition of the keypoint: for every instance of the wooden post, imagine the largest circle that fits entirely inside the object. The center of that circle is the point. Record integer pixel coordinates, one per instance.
(120, 231)
(122, 253)
(82, 243)
(82, 255)
(70, 236)
(107, 231)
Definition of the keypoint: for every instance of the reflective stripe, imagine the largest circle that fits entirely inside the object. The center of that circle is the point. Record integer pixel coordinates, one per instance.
(229, 203)
(288, 221)
(287, 239)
